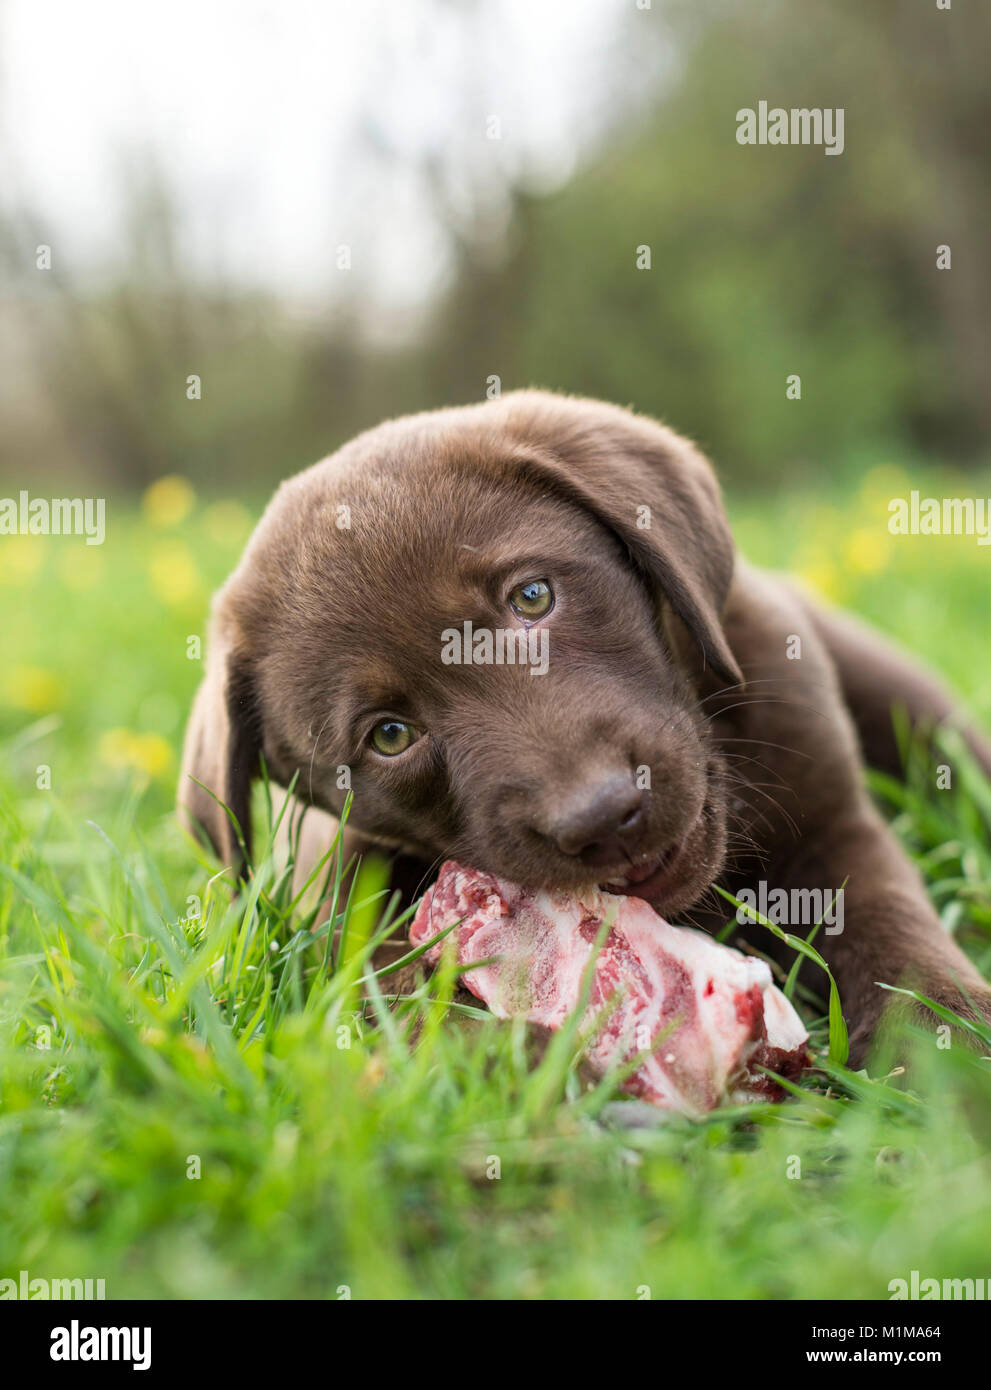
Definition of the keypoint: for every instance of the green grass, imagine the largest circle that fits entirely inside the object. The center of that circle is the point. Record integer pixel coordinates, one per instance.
(149, 1019)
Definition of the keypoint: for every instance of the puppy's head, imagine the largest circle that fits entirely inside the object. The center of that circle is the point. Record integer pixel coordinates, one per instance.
(559, 740)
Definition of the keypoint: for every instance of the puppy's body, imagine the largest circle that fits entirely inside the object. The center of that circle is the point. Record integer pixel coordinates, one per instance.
(673, 741)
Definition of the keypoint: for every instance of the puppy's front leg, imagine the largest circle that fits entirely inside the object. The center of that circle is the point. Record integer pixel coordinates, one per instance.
(890, 933)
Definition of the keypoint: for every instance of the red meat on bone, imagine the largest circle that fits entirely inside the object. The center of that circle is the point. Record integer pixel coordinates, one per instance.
(709, 1016)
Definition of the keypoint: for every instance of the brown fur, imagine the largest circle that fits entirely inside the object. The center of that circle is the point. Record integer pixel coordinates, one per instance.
(666, 652)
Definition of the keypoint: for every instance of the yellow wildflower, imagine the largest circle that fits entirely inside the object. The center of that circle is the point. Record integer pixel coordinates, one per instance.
(174, 575)
(227, 523)
(31, 688)
(868, 550)
(168, 501)
(126, 750)
(21, 558)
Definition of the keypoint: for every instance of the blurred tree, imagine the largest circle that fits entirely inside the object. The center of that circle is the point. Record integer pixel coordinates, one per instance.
(768, 261)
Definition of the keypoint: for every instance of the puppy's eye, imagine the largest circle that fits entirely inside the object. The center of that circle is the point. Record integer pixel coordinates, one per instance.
(533, 599)
(392, 736)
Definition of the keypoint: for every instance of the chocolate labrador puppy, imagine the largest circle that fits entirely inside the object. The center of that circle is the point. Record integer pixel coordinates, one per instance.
(632, 705)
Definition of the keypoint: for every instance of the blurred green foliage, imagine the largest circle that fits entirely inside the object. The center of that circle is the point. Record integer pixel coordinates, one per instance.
(767, 261)
(764, 262)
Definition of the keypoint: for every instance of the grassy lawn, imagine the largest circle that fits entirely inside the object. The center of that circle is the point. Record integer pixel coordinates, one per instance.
(196, 1103)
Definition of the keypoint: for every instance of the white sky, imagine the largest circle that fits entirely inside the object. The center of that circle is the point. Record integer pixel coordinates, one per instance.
(287, 128)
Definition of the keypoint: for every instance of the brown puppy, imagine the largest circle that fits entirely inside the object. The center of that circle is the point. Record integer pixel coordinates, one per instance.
(659, 733)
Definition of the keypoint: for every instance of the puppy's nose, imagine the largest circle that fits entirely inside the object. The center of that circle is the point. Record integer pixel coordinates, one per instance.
(597, 820)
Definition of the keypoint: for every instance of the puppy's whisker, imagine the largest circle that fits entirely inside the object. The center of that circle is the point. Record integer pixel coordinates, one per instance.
(725, 690)
(733, 758)
(769, 700)
(313, 754)
(760, 787)
(765, 743)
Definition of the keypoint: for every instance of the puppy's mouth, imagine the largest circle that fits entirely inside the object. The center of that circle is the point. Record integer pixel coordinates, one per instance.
(648, 878)
(659, 876)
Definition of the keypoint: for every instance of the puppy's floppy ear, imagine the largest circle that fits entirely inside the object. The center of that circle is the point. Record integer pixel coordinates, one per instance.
(221, 751)
(653, 489)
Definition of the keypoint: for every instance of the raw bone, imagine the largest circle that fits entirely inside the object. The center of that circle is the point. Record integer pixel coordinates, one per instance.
(721, 1016)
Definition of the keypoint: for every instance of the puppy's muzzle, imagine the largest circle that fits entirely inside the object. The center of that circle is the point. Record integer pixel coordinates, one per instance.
(599, 822)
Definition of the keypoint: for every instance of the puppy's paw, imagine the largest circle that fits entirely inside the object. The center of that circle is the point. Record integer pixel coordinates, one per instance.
(973, 1006)
(883, 1026)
